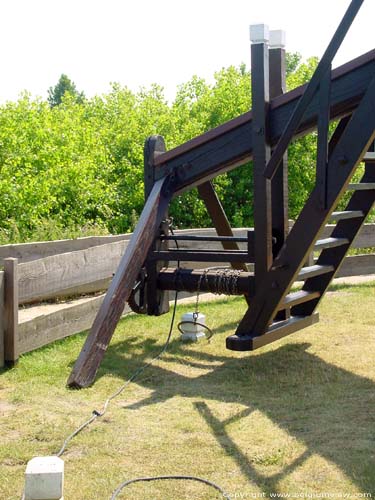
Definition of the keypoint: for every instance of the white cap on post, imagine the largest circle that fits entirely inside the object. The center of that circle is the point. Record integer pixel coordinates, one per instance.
(277, 39)
(259, 33)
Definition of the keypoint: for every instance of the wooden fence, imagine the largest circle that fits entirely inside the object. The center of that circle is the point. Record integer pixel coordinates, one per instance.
(38, 272)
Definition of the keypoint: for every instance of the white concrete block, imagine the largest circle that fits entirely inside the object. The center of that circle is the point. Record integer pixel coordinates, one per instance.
(44, 479)
(259, 33)
(277, 39)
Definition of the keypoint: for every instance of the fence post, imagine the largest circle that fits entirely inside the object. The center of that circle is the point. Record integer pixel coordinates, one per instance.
(1, 319)
(11, 350)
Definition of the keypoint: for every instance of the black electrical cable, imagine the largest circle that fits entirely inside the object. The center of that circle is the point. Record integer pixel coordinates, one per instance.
(161, 478)
(97, 413)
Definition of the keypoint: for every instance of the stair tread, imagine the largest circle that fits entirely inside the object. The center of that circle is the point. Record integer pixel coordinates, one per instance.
(295, 298)
(311, 271)
(370, 156)
(330, 243)
(346, 214)
(361, 186)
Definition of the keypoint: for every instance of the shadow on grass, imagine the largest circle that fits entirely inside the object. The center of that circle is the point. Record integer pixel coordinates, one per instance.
(329, 410)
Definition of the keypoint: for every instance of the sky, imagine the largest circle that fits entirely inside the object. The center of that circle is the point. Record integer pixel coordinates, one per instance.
(140, 42)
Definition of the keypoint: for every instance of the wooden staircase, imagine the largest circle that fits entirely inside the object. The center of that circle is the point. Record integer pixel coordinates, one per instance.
(300, 306)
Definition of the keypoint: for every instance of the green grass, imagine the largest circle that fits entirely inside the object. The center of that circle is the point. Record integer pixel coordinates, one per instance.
(296, 417)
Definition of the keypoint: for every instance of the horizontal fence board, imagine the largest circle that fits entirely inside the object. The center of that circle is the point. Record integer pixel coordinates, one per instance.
(357, 265)
(71, 273)
(365, 238)
(25, 252)
(46, 328)
(1, 318)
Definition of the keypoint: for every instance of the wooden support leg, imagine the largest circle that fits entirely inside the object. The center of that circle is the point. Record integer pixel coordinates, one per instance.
(96, 344)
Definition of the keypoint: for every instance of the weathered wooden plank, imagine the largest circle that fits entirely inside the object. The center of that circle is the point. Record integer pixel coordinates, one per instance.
(25, 252)
(365, 238)
(70, 273)
(357, 265)
(88, 362)
(1, 318)
(35, 331)
(10, 311)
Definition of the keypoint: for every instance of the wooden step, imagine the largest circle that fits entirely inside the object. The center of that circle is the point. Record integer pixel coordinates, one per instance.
(369, 157)
(292, 299)
(361, 186)
(330, 243)
(346, 214)
(311, 271)
(276, 331)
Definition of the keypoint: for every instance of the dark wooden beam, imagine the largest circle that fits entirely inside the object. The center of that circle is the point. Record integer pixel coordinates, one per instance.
(320, 72)
(96, 344)
(157, 301)
(219, 219)
(230, 145)
(279, 184)
(261, 151)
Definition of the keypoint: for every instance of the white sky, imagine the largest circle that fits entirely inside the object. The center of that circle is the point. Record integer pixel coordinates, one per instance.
(138, 42)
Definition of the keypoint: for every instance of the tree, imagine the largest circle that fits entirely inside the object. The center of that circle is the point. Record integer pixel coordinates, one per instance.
(64, 85)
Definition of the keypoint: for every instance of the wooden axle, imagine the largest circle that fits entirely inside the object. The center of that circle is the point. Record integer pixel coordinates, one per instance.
(215, 281)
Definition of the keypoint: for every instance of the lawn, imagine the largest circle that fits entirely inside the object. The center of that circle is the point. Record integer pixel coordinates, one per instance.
(296, 417)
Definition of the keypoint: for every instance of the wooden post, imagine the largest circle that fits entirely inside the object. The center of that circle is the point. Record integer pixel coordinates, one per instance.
(259, 36)
(157, 301)
(279, 185)
(1, 319)
(10, 311)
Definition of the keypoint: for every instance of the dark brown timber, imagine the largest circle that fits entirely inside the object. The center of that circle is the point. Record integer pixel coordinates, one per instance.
(261, 155)
(219, 219)
(320, 72)
(10, 311)
(279, 184)
(230, 145)
(190, 280)
(157, 301)
(96, 344)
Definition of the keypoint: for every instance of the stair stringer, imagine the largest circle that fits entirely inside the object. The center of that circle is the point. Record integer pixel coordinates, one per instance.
(355, 140)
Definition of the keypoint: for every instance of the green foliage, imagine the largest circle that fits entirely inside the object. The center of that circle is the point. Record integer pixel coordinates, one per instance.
(63, 86)
(79, 164)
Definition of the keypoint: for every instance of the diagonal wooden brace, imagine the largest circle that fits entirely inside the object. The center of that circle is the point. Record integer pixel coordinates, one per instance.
(87, 364)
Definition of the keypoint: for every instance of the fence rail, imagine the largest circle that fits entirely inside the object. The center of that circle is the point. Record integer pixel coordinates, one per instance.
(50, 270)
